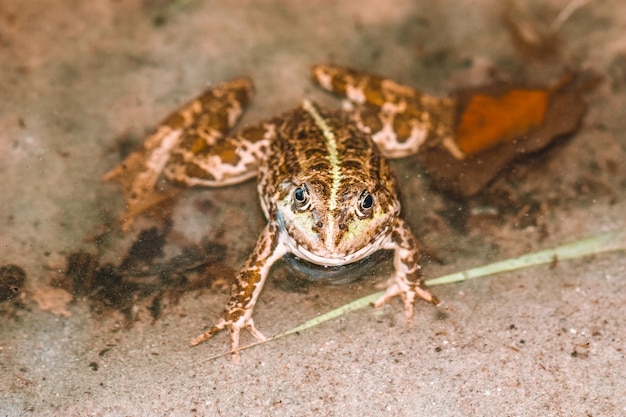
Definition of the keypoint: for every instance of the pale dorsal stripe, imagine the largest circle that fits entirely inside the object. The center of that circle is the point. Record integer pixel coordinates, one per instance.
(335, 164)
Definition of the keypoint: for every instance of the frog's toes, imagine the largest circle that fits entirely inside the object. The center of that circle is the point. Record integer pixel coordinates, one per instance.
(407, 291)
(208, 334)
(425, 294)
(254, 331)
(396, 287)
(234, 328)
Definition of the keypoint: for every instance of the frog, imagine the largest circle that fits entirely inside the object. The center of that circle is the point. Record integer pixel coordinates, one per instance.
(324, 179)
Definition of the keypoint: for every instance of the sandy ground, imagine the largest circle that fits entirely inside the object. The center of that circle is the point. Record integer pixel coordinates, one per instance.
(79, 78)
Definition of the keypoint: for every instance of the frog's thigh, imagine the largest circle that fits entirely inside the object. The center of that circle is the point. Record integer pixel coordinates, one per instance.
(203, 154)
(401, 126)
(400, 119)
(204, 158)
(397, 133)
(404, 129)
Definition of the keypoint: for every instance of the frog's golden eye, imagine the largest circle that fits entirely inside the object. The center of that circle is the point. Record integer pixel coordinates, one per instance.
(301, 198)
(365, 204)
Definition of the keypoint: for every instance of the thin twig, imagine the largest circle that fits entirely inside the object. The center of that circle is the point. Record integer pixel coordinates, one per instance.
(565, 14)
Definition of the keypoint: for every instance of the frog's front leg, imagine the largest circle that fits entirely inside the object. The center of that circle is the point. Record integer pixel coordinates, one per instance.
(246, 289)
(406, 280)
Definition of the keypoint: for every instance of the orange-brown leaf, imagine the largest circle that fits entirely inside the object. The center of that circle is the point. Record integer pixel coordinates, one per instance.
(488, 120)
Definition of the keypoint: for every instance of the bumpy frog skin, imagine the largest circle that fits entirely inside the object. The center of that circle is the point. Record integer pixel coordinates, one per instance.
(323, 178)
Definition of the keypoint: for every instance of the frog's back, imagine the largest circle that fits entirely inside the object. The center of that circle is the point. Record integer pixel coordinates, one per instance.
(338, 156)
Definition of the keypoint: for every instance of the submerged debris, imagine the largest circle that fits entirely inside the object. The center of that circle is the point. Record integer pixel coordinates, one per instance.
(535, 37)
(12, 279)
(54, 300)
(142, 280)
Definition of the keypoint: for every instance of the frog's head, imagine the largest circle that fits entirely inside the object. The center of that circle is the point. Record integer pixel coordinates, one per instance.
(337, 223)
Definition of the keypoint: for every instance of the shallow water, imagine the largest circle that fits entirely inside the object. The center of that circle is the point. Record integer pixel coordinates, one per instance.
(83, 82)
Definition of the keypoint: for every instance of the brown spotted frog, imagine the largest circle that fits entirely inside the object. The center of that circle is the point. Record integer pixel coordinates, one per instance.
(325, 186)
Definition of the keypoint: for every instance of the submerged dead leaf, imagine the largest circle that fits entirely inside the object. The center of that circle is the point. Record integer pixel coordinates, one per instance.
(497, 124)
(490, 120)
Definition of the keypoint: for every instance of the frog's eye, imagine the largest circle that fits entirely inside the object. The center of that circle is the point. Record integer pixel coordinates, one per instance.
(365, 204)
(301, 198)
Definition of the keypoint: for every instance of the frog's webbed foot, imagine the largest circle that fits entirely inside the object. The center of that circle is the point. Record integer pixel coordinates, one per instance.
(234, 328)
(406, 281)
(399, 285)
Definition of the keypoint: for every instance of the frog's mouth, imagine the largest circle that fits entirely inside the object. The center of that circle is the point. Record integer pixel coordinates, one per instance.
(333, 274)
(323, 256)
(327, 259)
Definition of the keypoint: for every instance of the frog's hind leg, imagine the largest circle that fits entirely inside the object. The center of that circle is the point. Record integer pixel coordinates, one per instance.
(203, 154)
(400, 119)
(205, 157)
(191, 147)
